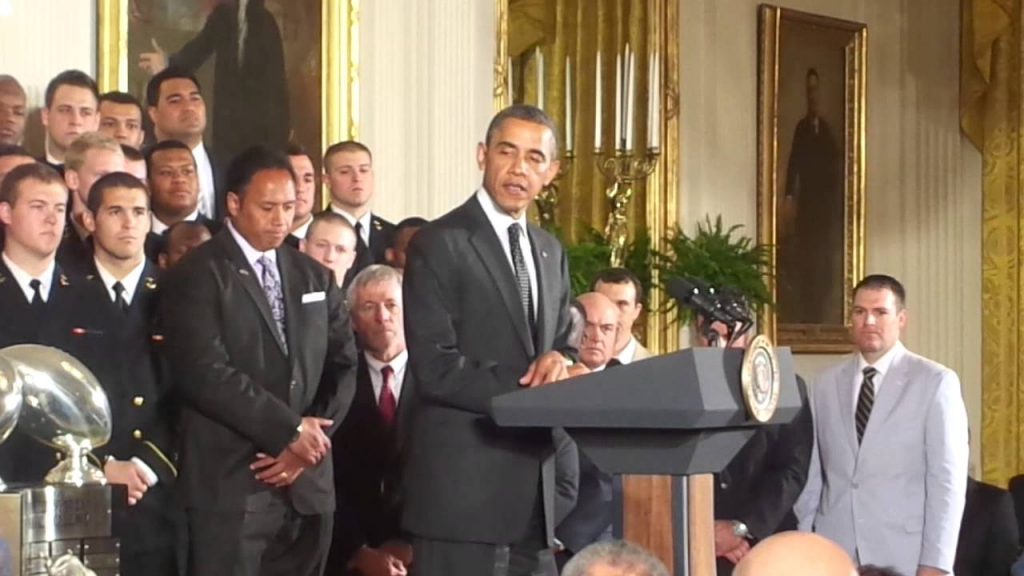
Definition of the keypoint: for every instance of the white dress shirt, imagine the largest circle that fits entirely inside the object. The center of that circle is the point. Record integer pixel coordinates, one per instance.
(501, 220)
(207, 187)
(24, 278)
(398, 364)
(365, 220)
(158, 227)
(130, 281)
(882, 365)
(252, 255)
(302, 230)
(627, 354)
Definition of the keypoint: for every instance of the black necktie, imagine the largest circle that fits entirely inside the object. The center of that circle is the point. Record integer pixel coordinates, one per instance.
(119, 296)
(522, 274)
(613, 363)
(37, 297)
(865, 401)
(363, 257)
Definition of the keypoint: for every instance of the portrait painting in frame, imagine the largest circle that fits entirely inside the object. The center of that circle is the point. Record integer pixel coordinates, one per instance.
(811, 110)
(272, 72)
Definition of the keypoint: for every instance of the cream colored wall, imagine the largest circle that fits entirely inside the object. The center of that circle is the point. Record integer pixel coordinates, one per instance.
(41, 39)
(923, 178)
(426, 98)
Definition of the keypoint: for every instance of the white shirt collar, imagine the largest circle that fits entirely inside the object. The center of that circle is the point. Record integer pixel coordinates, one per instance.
(364, 221)
(301, 231)
(500, 221)
(629, 352)
(207, 187)
(23, 279)
(158, 226)
(882, 364)
(252, 255)
(130, 281)
(398, 365)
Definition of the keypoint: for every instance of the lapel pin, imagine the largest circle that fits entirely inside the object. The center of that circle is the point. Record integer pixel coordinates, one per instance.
(90, 277)
(3, 279)
(543, 254)
(243, 271)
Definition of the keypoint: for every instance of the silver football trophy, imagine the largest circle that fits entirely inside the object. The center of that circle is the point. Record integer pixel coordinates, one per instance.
(65, 522)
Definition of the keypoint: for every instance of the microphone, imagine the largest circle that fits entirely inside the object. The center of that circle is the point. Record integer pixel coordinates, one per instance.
(734, 304)
(694, 294)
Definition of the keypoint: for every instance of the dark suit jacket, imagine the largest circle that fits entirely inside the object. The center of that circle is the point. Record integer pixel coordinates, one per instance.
(142, 408)
(367, 466)
(155, 243)
(466, 479)
(382, 236)
(988, 532)
(763, 481)
(64, 323)
(591, 519)
(242, 120)
(241, 393)
(74, 254)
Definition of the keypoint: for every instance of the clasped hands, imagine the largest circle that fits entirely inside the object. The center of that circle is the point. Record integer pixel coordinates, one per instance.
(307, 450)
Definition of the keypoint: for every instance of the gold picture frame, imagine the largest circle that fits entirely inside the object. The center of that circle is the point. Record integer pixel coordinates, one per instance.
(339, 52)
(810, 201)
(659, 212)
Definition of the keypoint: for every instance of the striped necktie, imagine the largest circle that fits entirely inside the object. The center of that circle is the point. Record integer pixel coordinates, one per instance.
(865, 401)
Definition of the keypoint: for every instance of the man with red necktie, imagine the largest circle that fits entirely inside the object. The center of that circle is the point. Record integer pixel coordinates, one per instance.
(368, 445)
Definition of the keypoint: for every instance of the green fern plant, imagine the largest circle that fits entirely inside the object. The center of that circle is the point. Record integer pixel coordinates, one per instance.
(719, 257)
(592, 254)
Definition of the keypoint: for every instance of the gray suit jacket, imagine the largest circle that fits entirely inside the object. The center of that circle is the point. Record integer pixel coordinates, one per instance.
(897, 499)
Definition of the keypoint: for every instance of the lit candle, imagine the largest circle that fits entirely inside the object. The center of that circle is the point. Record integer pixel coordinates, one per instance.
(630, 95)
(599, 88)
(618, 99)
(568, 104)
(540, 78)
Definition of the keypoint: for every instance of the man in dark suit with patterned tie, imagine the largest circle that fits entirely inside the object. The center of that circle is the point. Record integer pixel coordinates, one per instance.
(488, 301)
(121, 288)
(348, 176)
(369, 444)
(264, 359)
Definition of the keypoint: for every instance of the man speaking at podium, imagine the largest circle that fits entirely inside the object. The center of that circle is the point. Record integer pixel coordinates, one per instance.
(487, 296)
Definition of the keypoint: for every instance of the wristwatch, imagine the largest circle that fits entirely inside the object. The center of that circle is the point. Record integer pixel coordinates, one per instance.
(740, 530)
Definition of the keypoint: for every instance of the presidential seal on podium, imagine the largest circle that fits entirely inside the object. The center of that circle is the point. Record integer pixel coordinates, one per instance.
(760, 379)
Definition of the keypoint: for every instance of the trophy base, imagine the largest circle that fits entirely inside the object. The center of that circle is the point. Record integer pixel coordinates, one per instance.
(76, 472)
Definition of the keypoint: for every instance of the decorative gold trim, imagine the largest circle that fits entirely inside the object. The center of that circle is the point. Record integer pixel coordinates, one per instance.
(339, 88)
(812, 338)
(502, 95)
(163, 457)
(112, 45)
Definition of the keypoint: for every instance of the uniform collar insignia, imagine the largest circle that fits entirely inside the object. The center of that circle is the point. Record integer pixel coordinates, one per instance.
(150, 283)
(64, 281)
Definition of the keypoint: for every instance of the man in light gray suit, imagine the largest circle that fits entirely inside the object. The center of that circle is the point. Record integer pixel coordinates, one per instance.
(888, 473)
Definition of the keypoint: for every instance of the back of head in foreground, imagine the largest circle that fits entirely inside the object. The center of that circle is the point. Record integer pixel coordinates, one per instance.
(614, 558)
(796, 554)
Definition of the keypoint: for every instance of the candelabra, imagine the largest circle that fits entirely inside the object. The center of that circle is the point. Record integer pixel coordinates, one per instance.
(624, 168)
(547, 200)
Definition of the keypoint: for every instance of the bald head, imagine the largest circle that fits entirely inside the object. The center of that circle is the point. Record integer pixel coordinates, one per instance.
(600, 331)
(796, 554)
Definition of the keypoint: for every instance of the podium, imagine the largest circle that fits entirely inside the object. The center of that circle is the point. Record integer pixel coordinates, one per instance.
(680, 415)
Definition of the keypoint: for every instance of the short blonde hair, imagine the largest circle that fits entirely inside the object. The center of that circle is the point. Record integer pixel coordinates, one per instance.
(75, 157)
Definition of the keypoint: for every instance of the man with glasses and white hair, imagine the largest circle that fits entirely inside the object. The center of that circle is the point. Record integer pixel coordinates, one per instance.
(614, 558)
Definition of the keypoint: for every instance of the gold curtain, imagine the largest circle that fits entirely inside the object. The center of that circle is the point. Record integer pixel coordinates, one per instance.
(556, 35)
(990, 114)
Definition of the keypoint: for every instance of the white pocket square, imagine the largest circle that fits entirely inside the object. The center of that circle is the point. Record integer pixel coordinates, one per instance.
(313, 297)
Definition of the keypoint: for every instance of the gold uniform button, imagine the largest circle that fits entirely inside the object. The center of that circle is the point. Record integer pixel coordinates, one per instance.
(138, 401)
(137, 434)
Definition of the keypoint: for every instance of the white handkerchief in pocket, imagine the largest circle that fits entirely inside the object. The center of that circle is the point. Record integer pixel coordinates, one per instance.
(313, 297)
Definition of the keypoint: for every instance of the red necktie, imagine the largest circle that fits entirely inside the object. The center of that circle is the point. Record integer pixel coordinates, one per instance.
(386, 403)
